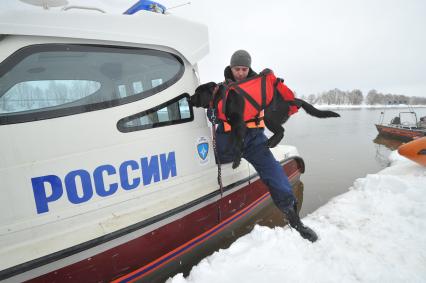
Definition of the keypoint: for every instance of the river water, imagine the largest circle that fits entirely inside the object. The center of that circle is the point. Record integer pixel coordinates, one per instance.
(337, 151)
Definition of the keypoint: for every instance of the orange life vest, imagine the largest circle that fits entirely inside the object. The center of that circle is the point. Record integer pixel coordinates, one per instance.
(258, 92)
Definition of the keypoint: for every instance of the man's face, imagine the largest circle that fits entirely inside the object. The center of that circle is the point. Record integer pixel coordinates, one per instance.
(240, 72)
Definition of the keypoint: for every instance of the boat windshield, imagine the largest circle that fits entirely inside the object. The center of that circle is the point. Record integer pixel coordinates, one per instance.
(51, 80)
(408, 118)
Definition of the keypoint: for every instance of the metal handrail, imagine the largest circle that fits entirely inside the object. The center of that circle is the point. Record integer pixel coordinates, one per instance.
(83, 8)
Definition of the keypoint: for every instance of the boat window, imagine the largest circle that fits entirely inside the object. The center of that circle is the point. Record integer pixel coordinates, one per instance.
(175, 111)
(122, 91)
(156, 82)
(34, 95)
(52, 80)
(137, 87)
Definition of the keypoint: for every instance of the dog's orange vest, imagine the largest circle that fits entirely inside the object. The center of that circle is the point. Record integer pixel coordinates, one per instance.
(258, 91)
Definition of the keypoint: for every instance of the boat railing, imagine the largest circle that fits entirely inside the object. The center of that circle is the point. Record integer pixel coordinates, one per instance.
(382, 115)
(91, 8)
(409, 127)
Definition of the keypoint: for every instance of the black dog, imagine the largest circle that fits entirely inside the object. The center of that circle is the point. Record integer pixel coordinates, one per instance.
(275, 114)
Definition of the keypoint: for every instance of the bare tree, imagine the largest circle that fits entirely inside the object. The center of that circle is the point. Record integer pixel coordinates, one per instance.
(312, 98)
(355, 97)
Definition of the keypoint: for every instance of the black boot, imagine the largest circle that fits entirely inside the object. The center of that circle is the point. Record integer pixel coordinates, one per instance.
(295, 222)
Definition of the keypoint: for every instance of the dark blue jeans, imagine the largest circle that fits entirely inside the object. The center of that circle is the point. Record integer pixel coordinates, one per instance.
(269, 169)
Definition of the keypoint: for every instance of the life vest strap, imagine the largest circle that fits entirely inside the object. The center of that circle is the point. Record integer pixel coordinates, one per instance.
(256, 120)
(263, 91)
(248, 97)
(276, 93)
(251, 124)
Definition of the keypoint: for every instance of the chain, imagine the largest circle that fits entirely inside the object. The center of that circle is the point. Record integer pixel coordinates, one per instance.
(219, 167)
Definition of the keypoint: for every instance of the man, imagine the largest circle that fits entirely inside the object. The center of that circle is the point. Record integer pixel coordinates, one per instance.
(258, 154)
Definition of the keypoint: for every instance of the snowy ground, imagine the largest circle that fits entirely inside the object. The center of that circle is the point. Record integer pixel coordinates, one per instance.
(374, 233)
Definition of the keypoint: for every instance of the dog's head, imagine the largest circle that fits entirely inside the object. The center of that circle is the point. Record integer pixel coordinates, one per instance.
(203, 95)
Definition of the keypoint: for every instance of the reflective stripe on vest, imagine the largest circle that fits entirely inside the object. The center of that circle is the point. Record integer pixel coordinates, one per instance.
(251, 125)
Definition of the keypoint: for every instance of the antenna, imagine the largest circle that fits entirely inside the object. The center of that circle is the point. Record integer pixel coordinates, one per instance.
(178, 6)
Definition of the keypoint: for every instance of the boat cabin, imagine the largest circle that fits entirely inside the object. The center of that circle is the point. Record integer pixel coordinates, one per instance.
(106, 172)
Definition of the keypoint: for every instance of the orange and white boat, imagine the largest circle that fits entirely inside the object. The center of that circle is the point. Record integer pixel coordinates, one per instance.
(415, 150)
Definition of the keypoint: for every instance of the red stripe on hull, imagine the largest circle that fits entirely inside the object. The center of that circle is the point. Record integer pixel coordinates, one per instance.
(155, 249)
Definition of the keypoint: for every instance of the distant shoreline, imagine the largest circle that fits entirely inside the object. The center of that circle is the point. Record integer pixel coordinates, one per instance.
(337, 106)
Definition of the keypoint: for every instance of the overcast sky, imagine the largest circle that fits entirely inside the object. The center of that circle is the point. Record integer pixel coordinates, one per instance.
(320, 45)
(315, 45)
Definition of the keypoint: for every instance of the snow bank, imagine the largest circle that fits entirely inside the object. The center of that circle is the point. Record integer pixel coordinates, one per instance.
(374, 233)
